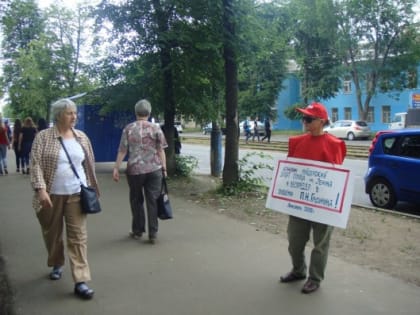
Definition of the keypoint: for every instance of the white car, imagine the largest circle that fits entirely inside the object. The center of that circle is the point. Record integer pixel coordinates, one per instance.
(260, 126)
(349, 129)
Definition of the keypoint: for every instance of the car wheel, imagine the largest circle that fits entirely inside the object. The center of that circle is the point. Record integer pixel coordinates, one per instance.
(350, 136)
(382, 194)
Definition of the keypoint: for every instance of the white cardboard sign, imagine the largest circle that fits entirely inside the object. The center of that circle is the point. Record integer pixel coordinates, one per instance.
(312, 190)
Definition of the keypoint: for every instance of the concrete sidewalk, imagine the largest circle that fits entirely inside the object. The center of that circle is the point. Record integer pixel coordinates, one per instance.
(203, 263)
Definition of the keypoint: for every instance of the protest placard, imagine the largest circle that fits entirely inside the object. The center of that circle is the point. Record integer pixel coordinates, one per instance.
(312, 190)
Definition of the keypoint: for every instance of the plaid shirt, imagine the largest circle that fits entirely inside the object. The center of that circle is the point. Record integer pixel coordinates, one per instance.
(44, 158)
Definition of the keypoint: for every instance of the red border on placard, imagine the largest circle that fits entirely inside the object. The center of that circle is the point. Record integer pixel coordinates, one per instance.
(340, 208)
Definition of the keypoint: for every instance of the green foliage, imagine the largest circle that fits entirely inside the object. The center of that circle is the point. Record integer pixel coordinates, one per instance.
(313, 36)
(291, 112)
(248, 180)
(378, 42)
(185, 165)
(43, 53)
(21, 24)
(174, 47)
(262, 57)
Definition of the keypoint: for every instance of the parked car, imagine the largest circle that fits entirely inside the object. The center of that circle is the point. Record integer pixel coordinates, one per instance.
(209, 127)
(260, 126)
(394, 168)
(349, 129)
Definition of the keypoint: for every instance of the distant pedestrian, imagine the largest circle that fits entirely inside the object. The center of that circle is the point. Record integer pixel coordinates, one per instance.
(267, 127)
(256, 131)
(15, 144)
(145, 144)
(42, 124)
(4, 146)
(318, 146)
(9, 130)
(247, 129)
(26, 138)
(57, 193)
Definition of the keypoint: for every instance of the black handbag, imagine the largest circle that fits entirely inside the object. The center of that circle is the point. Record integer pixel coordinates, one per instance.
(88, 196)
(164, 209)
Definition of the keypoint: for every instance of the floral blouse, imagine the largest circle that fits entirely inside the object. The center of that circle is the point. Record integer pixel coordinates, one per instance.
(142, 140)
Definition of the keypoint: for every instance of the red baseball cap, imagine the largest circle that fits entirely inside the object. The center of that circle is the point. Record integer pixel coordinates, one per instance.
(314, 110)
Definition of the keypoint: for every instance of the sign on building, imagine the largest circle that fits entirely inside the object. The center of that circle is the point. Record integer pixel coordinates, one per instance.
(415, 100)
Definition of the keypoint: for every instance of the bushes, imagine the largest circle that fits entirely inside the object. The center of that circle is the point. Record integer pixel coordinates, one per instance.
(185, 165)
(248, 181)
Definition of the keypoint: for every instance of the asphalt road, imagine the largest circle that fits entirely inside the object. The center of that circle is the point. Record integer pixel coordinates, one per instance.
(357, 166)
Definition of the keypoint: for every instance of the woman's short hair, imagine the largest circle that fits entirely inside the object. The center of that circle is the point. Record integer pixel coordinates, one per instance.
(58, 107)
(143, 108)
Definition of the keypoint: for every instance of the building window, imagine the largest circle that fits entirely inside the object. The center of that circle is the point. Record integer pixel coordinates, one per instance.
(386, 114)
(347, 87)
(334, 114)
(371, 114)
(347, 113)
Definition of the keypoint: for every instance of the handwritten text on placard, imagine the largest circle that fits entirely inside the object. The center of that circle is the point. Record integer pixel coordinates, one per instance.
(309, 189)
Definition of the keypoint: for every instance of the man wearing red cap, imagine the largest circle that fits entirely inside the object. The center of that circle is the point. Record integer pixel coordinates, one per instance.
(319, 146)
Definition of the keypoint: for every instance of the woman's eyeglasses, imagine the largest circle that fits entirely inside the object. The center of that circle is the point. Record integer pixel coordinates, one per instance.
(308, 119)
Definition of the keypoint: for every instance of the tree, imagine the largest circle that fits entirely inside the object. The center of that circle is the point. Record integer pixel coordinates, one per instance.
(313, 31)
(174, 52)
(231, 167)
(22, 22)
(379, 44)
(45, 65)
(263, 35)
(29, 92)
(167, 42)
(67, 31)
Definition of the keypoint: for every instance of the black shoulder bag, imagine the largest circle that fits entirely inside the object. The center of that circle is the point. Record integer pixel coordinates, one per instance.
(88, 197)
(164, 208)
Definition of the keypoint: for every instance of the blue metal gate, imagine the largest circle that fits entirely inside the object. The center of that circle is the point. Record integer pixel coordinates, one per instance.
(104, 131)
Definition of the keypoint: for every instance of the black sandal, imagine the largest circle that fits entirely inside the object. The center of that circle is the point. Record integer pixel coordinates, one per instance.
(83, 291)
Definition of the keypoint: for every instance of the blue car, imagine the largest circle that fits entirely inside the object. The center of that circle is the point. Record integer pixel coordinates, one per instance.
(394, 168)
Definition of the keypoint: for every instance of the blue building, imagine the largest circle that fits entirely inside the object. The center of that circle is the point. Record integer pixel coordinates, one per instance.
(383, 106)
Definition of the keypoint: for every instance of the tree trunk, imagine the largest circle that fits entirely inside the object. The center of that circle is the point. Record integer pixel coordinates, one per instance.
(168, 90)
(169, 112)
(230, 169)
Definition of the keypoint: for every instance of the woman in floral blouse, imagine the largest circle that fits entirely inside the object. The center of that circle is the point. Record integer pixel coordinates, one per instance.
(145, 143)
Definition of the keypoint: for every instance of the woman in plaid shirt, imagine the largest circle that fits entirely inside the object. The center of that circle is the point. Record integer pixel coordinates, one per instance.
(57, 193)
